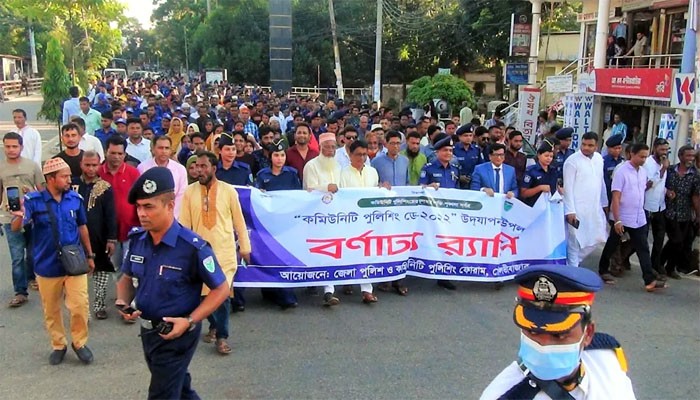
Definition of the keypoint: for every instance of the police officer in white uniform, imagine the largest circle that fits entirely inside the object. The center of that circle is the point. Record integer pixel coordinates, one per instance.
(561, 356)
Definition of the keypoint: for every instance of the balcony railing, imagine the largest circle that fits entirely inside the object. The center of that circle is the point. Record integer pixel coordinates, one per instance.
(650, 61)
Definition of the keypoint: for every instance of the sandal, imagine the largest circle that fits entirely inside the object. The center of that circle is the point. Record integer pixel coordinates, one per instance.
(210, 337)
(222, 347)
(347, 289)
(652, 287)
(369, 298)
(33, 285)
(18, 300)
(384, 287)
(400, 289)
(608, 279)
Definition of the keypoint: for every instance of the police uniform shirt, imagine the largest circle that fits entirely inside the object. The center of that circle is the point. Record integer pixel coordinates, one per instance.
(288, 179)
(434, 172)
(238, 174)
(70, 214)
(171, 273)
(467, 158)
(609, 165)
(535, 176)
(603, 379)
(560, 157)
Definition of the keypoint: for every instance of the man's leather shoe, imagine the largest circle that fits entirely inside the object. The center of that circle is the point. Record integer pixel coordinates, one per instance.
(447, 285)
(84, 354)
(56, 356)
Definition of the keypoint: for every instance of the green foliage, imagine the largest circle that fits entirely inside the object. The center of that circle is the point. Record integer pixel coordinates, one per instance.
(55, 86)
(447, 87)
(561, 17)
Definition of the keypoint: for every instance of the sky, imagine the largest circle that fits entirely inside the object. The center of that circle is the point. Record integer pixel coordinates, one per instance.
(139, 9)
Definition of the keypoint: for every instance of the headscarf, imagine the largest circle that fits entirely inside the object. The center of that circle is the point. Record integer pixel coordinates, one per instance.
(176, 137)
(189, 162)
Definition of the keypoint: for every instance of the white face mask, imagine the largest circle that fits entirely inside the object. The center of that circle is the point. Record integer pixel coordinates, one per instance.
(550, 362)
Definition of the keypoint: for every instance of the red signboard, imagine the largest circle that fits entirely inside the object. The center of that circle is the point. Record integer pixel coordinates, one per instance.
(636, 83)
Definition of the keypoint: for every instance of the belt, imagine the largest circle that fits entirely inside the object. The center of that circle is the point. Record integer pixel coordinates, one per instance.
(147, 323)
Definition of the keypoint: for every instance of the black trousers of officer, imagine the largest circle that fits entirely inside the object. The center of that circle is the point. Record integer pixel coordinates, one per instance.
(168, 361)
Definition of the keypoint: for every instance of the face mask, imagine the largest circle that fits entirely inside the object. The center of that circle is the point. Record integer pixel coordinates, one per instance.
(549, 362)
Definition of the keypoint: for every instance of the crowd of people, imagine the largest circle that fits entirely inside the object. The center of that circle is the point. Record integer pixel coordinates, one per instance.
(209, 137)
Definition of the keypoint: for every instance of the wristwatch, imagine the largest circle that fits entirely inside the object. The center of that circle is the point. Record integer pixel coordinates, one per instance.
(192, 324)
(90, 256)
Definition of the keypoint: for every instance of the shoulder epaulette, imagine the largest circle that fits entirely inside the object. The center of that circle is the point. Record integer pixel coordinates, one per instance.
(603, 341)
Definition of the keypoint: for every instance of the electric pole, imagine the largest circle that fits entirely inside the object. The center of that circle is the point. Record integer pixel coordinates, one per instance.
(377, 92)
(187, 56)
(336, 53)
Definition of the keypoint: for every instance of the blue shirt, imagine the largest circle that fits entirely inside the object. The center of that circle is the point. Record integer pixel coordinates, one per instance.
(239, 174)
(251, 128)
(559, 159)
(104, 135)
(288, 179)
(393, 171)
(70, 214)
(535, 176)
(171, 273)
(467, 158)
(609, 165)
(447, 177)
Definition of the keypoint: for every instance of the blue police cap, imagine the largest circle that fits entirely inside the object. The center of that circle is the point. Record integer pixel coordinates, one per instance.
(614, 140)
(120, 121)
(554, 128)
(339, 114)
(277, 146)
(166, 116)
(153, 182)
(226, 139)
(466, 128)
(442, 140)
(564, 133)
(554, 298)
(129, 110)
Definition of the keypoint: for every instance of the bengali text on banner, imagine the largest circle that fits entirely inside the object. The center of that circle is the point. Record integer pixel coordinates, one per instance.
(354, 236)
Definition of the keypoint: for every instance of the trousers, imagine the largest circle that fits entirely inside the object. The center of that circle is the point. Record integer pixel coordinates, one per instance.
(365, 287)
(168, 361)
(219, 320)
(640, 243)
(574, 253)
(53, 291)
(676, 252)
(17, 245)
(658, 233)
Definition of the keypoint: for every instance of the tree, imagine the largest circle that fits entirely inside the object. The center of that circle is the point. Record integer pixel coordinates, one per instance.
(447, 87)
(55, 86)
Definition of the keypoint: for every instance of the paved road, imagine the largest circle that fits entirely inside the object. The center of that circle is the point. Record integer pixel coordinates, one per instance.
(433, 344)
(31, 104)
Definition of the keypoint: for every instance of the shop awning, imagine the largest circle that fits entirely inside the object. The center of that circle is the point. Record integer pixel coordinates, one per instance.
(659, 4)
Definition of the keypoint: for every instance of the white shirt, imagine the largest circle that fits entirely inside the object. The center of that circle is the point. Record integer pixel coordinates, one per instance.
(140, 151)
(655, 197)
(501, 186)
(351, 177)
(31, 144)
(179, 176)
(343, 158)
(317, 178)
(585, 195)
(71, 107)
(603, 379)
(89, 142)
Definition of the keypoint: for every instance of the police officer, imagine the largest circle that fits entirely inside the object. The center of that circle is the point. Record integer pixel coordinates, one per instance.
(564, 137)
(467, 154)
(540, 177)
(229, 170)
(279, 177)
(171, 264)
(561, 356)
(612, 160)
(441, 174)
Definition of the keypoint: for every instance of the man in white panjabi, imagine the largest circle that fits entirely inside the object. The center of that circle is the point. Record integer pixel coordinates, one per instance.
(585, 201)
(323, 174)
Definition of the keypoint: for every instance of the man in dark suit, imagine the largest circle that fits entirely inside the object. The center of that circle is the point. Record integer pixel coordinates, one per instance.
(495, 176)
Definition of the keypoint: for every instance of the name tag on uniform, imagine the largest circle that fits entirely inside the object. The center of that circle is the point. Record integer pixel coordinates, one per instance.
(136, 259)
(437, 175)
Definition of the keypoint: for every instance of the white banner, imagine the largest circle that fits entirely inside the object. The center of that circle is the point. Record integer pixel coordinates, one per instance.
(302, 238)
(528, 109)
(578, 114)
(560, 83)
(668, 129)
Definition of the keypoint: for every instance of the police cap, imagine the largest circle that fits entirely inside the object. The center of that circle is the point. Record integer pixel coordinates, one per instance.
(614, 140)
(466, 128)
(153, 182)
(554, 298)
(564, 133)
(277, 146)
(442, 140)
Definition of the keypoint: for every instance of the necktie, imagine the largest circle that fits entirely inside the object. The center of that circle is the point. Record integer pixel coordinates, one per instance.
(497, 189)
